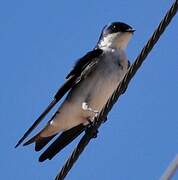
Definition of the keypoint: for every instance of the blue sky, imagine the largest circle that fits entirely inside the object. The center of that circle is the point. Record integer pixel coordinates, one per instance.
(40, 41)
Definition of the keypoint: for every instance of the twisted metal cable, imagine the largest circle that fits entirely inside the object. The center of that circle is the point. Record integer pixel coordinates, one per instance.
(91, 132)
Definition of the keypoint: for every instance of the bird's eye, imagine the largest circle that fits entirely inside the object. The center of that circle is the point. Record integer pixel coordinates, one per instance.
(114, 28)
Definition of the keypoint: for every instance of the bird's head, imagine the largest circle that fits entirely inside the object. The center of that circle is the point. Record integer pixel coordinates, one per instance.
(115, 35)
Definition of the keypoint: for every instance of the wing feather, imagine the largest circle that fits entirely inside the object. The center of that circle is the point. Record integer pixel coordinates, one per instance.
(80, 69)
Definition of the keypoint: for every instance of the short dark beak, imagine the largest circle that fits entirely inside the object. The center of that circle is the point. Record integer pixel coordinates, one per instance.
(131, 30)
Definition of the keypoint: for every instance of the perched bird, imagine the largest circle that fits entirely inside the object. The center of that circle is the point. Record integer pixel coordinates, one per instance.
(91, 82)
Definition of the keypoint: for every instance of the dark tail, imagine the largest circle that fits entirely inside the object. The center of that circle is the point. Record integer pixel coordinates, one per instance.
(40, 118)
(62, 141)
(40, 142)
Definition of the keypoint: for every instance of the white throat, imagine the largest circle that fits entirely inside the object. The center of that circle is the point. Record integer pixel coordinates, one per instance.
(115, 41)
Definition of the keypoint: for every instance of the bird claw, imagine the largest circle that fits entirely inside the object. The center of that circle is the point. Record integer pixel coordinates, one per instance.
(91, 122)
(89, 127)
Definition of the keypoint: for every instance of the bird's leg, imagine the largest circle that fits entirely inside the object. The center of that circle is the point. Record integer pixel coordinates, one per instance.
(86, 107)
(90, 126)
(91, 123)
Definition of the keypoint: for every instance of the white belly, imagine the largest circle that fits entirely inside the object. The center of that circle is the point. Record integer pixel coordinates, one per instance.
(94, 90)
(98, 86)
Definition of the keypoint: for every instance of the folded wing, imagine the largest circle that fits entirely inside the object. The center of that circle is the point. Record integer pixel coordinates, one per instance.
(80, 70)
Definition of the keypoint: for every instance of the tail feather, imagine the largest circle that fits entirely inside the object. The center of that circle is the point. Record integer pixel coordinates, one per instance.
(32, 140)
(43, 142)
(40, 142)
(63, 140)
(40, 118)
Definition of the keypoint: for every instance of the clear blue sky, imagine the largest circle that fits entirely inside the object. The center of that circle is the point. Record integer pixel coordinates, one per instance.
(39, 43)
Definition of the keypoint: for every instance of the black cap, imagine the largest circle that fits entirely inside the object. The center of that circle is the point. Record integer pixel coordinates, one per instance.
(117, 27)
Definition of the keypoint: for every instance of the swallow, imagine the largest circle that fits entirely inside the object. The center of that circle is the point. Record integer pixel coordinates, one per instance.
(89, 85)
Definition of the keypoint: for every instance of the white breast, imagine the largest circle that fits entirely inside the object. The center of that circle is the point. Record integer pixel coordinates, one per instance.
(95, 89)
(109, 73)
(101, 83)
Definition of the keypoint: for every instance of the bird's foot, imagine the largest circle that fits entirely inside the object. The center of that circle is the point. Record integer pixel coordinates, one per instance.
(91, 122)
(90, 127)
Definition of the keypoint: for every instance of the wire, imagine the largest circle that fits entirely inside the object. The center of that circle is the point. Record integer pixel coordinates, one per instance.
(171, 170)
(91, 132)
